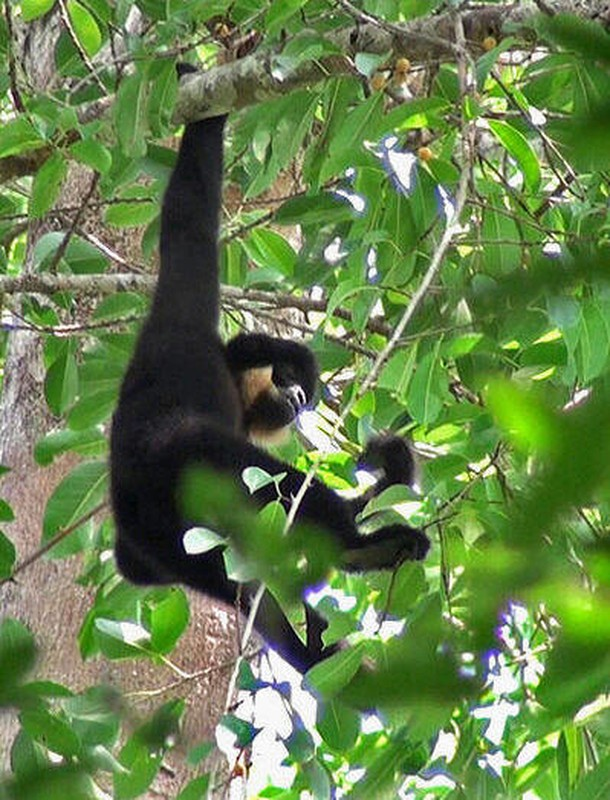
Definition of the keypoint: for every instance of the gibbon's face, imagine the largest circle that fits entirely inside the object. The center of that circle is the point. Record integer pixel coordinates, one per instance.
(272, 398)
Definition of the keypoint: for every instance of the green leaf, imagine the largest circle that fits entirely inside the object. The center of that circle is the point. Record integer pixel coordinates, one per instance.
(280, 11)
(92, 153)
(168, 621)
(323, 209)
(331, 675)
(131, 114)
(7, 556)
(501, 254)
(246, 680)
(78, 493)
(196, 789)
(585, 36)
(52, 783)
(428, 389)
(520, 149)
(202, 540)
(140, 211)
(80, 256)
(47, 183)
(122, 639)
(596, 784)
(269, 249)
(91, 410)
(6, 512)
(93, 715)
(88, 442)
(17, 654)
(338, 725)
(257, 478)
(489, 59)
(61, 381)
(51, 730)
(380, 774)
(300, 745)
(199, 753)
(120, 305)
(163, 94)
(347, 145)
(408, 584)
(32, 9)
(27, 756)
(525, 419)
(141, 760)
(244, 731)
(18, 136)
(85, 27)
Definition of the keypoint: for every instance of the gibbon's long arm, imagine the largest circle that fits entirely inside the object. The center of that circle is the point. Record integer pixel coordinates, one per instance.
(181, 405)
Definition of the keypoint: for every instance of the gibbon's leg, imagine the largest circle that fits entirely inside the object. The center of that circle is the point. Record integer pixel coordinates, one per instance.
(209, 570)
(275, 629)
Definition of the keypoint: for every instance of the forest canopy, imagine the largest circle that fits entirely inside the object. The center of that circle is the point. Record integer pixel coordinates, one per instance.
(419, 190)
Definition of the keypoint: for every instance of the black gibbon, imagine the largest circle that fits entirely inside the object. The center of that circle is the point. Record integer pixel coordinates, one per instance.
(188, 399)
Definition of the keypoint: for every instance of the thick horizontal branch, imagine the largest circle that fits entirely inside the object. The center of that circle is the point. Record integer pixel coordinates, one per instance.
(97, 285)
(257, 77)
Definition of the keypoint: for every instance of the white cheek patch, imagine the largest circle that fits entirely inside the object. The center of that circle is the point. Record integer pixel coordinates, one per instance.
(254, 382)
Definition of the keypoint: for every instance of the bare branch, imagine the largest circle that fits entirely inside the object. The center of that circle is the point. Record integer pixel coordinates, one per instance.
(59, 536)
(97, 285)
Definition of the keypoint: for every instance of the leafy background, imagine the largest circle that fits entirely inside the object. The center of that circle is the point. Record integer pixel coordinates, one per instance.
(452, 264)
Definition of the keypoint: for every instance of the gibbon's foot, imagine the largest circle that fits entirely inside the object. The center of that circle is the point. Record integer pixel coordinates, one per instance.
(392, 455)
(386, 548)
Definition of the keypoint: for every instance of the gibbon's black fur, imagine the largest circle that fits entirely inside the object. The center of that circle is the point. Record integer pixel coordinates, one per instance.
(187, 399)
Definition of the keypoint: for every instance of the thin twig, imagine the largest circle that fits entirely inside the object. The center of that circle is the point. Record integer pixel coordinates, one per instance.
(63, 246)
(59, 536)
(65, 16)
(187, 678)
(244, 643)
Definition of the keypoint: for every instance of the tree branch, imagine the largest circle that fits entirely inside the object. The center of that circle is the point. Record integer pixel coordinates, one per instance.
(99, 284)
(255, 78)
(59, 536)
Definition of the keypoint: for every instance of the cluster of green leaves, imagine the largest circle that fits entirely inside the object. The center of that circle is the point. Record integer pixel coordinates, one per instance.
(515, 479)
